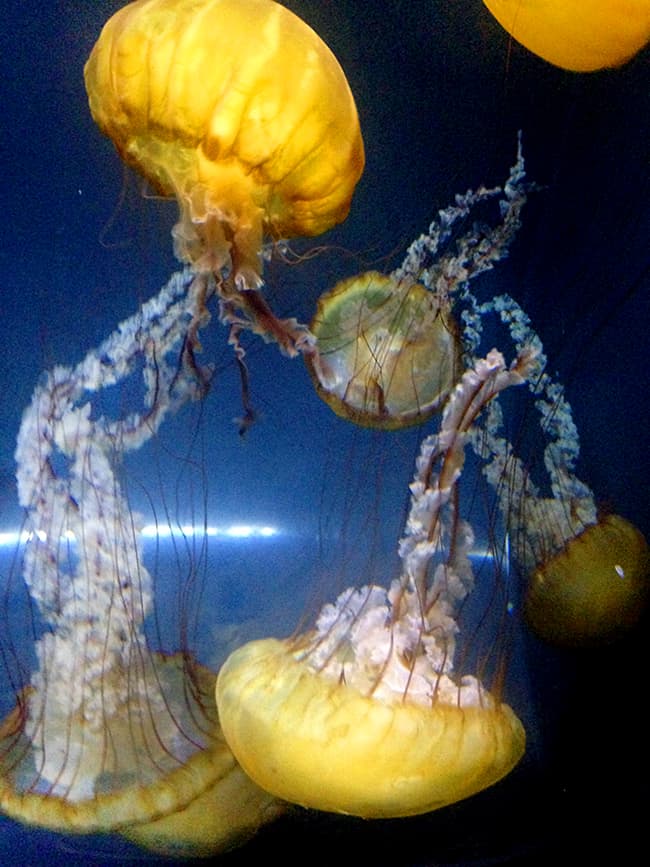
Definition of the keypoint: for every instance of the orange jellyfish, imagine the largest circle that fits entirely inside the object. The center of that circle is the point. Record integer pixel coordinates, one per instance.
(366, 714)
(595, 588)
(578, 35)
(109, 731)
(239, 110)
(374, 712)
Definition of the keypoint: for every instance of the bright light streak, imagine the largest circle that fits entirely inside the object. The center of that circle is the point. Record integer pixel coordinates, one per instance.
(12, 538)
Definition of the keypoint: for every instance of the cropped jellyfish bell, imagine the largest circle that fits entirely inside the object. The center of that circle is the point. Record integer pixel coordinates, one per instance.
(203, 99)
(578, 35)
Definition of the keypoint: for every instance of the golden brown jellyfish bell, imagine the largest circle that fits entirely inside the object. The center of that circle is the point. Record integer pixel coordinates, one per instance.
(594, 589)
(325, 745)
(578, 35)
(239, 110)
(388, 352)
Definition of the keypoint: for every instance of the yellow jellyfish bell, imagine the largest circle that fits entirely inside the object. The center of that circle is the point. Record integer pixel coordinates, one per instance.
(324, 745)
(595, 589)
(366, 714)
(238, 109)
(579, 35)
(388, 352)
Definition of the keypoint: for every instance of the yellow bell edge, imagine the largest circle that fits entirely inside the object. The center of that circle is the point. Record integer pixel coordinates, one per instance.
(323, 745)
(595, 590)
(204, 807)
(577, 35)
(388, 356)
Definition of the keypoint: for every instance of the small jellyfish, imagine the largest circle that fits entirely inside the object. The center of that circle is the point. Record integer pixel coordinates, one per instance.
(594, 589)
(588, 574)
(388, 352)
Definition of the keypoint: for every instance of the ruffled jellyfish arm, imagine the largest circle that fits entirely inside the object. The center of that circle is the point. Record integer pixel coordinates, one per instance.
(364, 715)
(202, 97)
(388, 350)
(447, 272)
(107, 735)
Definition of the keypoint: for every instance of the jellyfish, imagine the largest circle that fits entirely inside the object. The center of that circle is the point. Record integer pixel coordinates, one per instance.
(387, 348)
(578, 35)
(111, 733)
(204, 101)
(588, 572)
(387, 355)
(365, 714)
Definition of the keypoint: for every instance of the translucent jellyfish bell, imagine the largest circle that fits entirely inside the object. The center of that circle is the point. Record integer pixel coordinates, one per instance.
(387, 347)
(388, 352)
